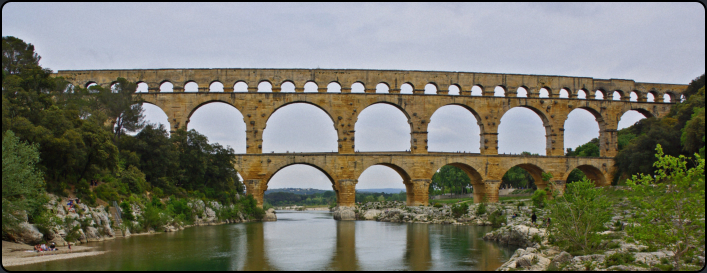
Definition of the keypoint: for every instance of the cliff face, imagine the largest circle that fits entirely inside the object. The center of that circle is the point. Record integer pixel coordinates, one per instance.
(85, 224)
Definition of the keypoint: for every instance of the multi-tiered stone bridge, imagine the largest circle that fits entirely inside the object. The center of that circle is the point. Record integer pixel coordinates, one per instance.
(417, 165)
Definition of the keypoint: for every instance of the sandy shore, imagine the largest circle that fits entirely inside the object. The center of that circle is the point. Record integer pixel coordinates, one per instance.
(16, 254)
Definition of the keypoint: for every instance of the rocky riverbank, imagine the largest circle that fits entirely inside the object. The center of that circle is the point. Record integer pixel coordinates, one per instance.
(84, 224)
(396, 211)
(535, 253)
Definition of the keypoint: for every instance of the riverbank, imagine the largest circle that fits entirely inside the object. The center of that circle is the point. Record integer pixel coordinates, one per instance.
(82, 224)
(14, 254)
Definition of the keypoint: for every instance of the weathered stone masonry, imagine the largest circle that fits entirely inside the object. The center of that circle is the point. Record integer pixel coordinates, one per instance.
(417, 166)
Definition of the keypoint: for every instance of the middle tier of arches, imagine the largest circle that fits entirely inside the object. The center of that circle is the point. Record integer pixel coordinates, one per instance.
(257, 108)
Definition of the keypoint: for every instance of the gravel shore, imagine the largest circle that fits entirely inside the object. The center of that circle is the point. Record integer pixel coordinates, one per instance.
(14, 254)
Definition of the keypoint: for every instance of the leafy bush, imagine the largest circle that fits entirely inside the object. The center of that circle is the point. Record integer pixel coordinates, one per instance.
(83, 191)
(460, 209)
(126, 211)
(497, 219)
(579, 215)
(480, 209)
(538, 198)
(619, 258)
(152, 217)
(437, 205)
(134, 179)
(106, 193)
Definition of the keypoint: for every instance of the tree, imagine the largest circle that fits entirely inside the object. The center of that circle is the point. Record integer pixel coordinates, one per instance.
(17, 55)
(693, 133)
(670, 206)
(121, 106)
(578, 216)
(450, 178)
(21, 180)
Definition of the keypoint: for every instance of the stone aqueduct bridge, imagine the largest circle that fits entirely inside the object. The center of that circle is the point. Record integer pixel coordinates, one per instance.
(417, 166)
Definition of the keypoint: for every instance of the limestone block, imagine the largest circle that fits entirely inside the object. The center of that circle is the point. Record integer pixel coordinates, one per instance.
(371, 214)
(29, 234)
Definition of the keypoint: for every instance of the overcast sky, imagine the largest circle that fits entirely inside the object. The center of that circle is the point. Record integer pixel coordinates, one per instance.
(645, 42)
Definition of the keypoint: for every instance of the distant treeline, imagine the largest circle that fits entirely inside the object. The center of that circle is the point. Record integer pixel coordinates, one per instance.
(326, 198)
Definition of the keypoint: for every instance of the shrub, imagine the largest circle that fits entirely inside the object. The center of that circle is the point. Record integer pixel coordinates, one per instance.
(152, 217)
(106, 192)
(497, 219)
(437, 205)
(619, 258)
(127, 211)
(460, 209)
(480, 209)
(258, 213)
(538, 198)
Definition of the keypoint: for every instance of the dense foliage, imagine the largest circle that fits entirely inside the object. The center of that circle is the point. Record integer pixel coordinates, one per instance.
(450, 179)
(78, 135)
(670, 206)
(578, 216)
(681, 132)
(21, 181)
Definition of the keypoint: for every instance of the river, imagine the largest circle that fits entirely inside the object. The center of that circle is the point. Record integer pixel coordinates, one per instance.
(309, 240)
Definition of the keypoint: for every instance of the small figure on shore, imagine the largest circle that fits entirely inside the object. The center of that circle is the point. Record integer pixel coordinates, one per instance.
(514, 215)
(533, 218)
(52, 247)
(69, 244)
(547, 222)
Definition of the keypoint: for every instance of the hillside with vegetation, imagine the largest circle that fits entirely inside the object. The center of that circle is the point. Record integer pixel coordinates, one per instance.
(65, 142)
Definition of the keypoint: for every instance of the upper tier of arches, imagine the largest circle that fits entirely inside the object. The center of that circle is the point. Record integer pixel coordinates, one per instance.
(421, 82)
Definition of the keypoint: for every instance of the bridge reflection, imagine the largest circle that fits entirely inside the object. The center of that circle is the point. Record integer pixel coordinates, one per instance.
(366, 245)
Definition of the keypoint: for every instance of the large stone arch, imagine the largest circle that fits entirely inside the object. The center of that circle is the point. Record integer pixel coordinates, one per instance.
(407, 180)
(593, 173)
(476, 178)
(357, 113)
(278, 107)
(547, 124)
(473, 112)
(205, 102)
(169, 124)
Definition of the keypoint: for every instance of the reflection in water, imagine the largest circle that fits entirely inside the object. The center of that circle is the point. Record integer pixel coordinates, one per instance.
(255, 254)
(297, 241)
(417, 251)
(345, 255)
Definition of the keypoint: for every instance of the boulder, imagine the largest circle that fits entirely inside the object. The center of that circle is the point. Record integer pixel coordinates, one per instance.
(561, 258)
(371, 214)
(28, 234)
(522, 263)
(92, 234)
(270, 216)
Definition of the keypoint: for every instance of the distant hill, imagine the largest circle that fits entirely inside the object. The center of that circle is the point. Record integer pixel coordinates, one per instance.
(384, 190)
(296, 190)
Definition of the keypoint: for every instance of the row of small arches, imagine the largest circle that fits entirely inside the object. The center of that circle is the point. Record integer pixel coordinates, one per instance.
(406, 88)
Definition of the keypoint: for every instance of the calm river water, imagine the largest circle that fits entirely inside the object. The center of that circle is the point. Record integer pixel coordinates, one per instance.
(298, 241)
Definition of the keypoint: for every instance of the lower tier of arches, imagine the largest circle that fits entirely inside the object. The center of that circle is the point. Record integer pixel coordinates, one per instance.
(485, 171)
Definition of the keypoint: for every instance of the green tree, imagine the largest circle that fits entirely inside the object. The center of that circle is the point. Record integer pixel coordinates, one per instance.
(538, 198)
(670, 205)
(21, 180)
(121, 106)
(589, 149)
(450, 179)
(578, 216)
(693, 133)
(517, 177)
(17, 55)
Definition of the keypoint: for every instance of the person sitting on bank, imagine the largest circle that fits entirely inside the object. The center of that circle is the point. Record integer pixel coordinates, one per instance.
(533, 218)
